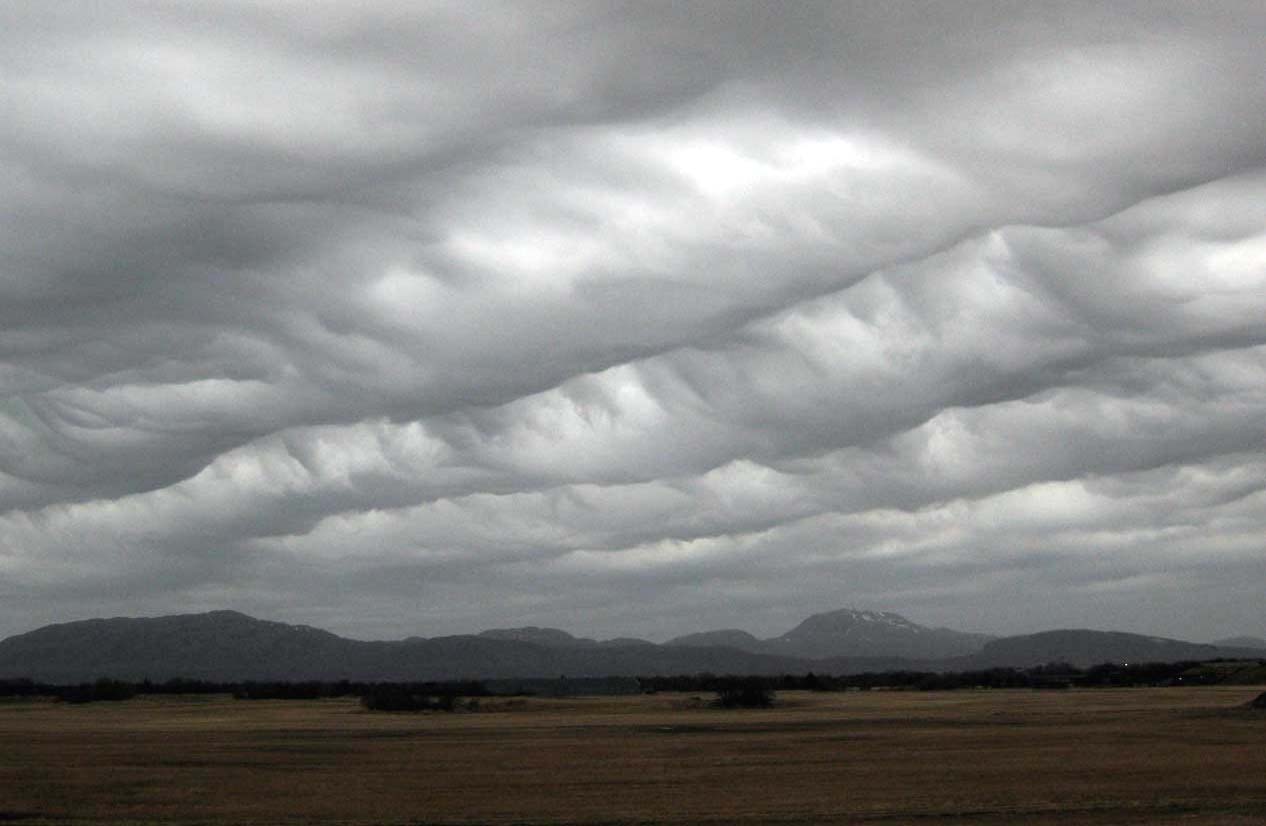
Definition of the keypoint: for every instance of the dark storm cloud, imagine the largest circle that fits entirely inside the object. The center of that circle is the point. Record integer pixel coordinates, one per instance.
(633, 318)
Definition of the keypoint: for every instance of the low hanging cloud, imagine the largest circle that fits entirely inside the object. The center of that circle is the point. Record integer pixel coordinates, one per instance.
(634, 319)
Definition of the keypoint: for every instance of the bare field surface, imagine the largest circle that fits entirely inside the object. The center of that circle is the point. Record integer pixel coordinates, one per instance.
(1120, 756)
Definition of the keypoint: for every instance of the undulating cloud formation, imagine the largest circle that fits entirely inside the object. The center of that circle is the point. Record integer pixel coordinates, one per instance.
(634, 318)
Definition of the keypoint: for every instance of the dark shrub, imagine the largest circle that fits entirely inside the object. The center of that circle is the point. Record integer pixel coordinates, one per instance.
(747, 692)
(282, 691)
(405, 698)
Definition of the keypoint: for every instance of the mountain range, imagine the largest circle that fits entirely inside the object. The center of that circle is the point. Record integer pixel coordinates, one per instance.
(230, 646)
(849, 633)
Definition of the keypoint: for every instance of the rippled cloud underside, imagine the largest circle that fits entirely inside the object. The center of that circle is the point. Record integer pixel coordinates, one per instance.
(401, 318)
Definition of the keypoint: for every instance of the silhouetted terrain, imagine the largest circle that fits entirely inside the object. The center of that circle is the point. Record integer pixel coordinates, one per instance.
(849, 633)
(1242, 642)
(226, 645)
(229, 646)
(1083, 647)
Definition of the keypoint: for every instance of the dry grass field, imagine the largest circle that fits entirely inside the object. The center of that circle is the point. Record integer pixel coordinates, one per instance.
(1129, 756)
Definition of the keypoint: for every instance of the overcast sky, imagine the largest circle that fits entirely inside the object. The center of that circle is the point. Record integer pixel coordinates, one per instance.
(634, 318)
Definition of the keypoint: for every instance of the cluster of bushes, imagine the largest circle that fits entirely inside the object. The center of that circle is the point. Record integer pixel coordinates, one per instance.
(407, 698)
(307, 690)
(731, 691)
(22, 688)
(101, 690)
(564, 686)
(743, 692)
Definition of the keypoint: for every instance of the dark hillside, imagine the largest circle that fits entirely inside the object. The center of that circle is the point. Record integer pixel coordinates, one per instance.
(1084, 648)
(228, 646)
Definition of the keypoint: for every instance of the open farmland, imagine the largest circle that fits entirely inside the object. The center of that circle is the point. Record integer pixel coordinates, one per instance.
(1180, 756)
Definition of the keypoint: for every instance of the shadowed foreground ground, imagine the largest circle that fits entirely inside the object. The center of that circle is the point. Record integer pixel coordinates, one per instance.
(1156, 756)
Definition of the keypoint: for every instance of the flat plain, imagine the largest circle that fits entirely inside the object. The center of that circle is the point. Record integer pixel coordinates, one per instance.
(1113, 756)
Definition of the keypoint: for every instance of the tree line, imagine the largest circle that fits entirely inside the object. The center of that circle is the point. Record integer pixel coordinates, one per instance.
(1048, 676)
(731, 690)
(106, 689)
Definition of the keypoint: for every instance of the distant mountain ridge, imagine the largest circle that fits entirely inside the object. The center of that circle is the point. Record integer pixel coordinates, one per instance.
(230, 646)
(1242, 642)
(556, 638)
(849, 633)
(1082, 647)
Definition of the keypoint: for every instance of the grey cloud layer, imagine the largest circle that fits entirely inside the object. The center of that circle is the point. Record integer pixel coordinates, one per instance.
(633, 319)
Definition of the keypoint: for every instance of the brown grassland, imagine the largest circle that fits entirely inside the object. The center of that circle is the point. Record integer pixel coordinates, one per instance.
(1129, 756)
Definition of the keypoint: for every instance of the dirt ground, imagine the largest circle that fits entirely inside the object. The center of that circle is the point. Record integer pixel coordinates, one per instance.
(1115, 756)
